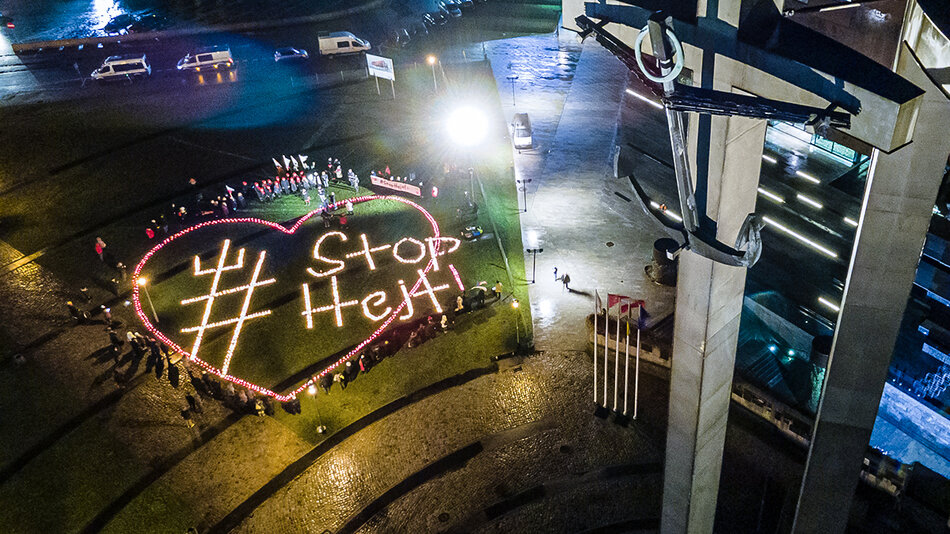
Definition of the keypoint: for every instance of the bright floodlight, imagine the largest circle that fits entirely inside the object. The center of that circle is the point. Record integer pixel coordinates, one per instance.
(142, 281)
(467, 126)
(430, 59)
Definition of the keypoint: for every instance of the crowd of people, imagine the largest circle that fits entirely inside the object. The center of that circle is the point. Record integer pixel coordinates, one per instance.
(295, 177)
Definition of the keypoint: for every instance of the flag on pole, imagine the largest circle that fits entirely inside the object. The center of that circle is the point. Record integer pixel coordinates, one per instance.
(286, 162)
(621, 305)
(597, 305)
(229, 189)
(302, 158)
(276, 163)
(296, 165)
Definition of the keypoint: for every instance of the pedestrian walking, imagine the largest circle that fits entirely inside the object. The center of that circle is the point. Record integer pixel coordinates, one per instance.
(123, 271)
(459, 303)
(326, 380)
(343, 222)
(349, 207)
(555, 274)
(306, 197)
(326, 218)
(496, 291)
(326, 179)
(566, 280)
(106, 314)
(332, 198)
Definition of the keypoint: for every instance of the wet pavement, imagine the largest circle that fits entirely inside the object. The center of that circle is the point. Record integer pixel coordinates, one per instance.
(573, 212)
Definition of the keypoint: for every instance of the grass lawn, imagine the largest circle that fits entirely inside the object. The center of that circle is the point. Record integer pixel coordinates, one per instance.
(275, 346)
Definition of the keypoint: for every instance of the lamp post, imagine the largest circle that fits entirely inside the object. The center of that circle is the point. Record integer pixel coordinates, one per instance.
(143, 283)
(514, 305)
(534, 260)
(430, 59)
(511, 78)
(524, 191)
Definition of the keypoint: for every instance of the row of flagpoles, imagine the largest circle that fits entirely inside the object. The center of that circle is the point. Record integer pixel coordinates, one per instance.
(624, 307)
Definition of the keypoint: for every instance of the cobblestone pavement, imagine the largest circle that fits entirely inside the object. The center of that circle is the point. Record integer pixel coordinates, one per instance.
(560, 440)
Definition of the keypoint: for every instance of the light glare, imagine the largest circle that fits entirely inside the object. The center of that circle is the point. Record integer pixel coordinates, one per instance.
(467, 126)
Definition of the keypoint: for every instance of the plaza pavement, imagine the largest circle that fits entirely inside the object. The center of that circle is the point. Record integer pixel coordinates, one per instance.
(601, 240)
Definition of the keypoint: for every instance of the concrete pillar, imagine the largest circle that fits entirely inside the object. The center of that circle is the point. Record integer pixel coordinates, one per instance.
(895, 216)
(708, 307)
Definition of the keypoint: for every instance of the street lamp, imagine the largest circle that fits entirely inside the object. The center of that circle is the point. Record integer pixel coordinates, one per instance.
(534, 260)
(514, 305)
(524, 191)
(143, 283)
(430, 59)
(511, 78)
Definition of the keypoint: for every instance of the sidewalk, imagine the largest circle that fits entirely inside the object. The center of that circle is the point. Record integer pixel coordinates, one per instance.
(600, 240)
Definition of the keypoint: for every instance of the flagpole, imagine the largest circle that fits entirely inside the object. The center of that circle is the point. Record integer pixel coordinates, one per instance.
(606, 347)
(636, 377)
(377, 84)
(626, 365)
(596, 342)
(617, 359)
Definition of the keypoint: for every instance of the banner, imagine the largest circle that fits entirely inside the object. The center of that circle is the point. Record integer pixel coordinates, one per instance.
(620, 305)
(396, 186)
(381, 67)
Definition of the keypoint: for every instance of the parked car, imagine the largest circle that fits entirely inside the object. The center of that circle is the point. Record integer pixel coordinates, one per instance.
(521, 132)
(214, 57)
(149, 23)
(129, 67)
(418, 31)
(290, 55)
(119, 24)
(451, 8)
(399, 38)
(434, 19)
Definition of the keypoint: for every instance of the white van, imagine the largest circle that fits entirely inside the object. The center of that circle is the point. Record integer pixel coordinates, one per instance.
(122, 68)
(205, 59)
(341, 43)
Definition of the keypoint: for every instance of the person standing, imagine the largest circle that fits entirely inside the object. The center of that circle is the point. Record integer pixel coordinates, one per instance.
(497, 289)
(306, 197)
(349, 207)
(555, 274)
(326, 380)
(566, 280)
(100, 249)
(332, 198)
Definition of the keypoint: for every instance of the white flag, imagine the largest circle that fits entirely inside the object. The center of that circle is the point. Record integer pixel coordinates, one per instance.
(276, 163)
(302, 158)
(286, 162)
(296, 165)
